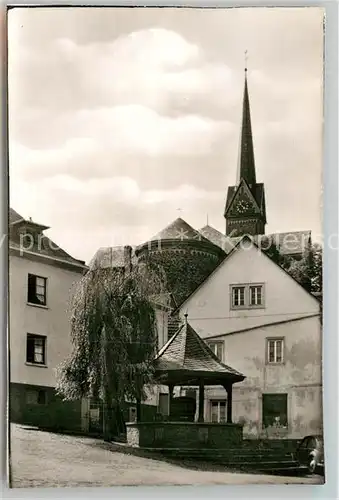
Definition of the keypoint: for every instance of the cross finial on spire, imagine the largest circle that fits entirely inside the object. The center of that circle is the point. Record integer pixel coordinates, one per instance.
(246, 60)
(180, 211)
(186, 316)
(207, 219)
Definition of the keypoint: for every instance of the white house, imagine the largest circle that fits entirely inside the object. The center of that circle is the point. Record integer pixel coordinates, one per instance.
(41, 279)
(259, 320)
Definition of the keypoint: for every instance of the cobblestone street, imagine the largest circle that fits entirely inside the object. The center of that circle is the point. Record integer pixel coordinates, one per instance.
(43, 459)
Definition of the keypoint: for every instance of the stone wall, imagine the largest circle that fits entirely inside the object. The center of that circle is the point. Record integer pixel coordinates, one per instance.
(193, 260)
(183, 435)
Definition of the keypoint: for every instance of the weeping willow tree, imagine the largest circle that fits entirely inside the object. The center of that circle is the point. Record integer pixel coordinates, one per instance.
(114, 340)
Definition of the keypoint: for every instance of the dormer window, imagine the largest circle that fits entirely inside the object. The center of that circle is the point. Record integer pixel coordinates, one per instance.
(28, 234)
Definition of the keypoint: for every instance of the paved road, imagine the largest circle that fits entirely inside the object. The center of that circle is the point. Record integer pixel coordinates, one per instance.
(50, 460)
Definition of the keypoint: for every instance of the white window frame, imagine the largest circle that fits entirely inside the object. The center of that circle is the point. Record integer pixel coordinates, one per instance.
(256, 288)
(214, 344)
(247, 296)
(238, 296)
(275, 341)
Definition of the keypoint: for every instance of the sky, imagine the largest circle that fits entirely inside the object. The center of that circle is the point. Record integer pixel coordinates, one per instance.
(123, 119)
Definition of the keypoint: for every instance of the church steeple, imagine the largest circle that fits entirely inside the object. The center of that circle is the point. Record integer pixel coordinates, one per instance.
(245, 211)
(246, 164)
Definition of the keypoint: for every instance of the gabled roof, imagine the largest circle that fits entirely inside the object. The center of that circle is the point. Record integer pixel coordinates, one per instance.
(187, 358)
(179, 230)
(44, 246)
(50, 249)
(235, 248)
(13, 216)
(258, 192)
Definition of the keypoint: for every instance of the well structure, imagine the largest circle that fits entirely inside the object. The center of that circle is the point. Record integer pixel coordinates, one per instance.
(186, 360)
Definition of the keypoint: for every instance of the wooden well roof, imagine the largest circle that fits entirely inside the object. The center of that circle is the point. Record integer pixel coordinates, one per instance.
(186, 360)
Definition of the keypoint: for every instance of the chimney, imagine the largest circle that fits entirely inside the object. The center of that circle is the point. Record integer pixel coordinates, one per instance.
(128, 258)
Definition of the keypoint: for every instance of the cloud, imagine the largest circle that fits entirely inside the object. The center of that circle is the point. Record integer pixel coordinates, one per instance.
(100, 212)
(118, 117)
(111, 135)
(145, 67)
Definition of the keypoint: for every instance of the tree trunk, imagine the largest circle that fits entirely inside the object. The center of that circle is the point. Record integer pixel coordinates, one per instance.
(107, 425)
(113, 421)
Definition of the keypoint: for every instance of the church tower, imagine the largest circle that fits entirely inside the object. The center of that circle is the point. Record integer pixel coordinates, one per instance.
(245, 210)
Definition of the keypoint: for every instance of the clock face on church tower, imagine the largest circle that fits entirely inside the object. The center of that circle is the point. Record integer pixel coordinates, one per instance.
(242, 206)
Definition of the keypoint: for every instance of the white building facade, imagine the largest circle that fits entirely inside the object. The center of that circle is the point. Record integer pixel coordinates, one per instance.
(260, 321)
(41, 282)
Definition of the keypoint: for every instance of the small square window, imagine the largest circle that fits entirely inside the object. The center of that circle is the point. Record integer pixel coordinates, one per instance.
(275, 350)
(36, 292)
(36, 349)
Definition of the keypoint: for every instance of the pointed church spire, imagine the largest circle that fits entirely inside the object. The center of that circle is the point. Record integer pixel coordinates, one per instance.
(245, 209)
(246, 165)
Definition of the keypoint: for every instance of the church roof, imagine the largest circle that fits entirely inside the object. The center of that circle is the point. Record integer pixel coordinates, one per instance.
(186, 358)
(289, 243)
(292, 242)
(246, 166)
(246, 163)
(179, 230)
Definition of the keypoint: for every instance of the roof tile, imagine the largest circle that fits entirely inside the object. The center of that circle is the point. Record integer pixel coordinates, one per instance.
(186, 351)
(179, 230)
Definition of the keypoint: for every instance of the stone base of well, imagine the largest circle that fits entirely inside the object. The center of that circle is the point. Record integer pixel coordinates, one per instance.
(183, 435)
